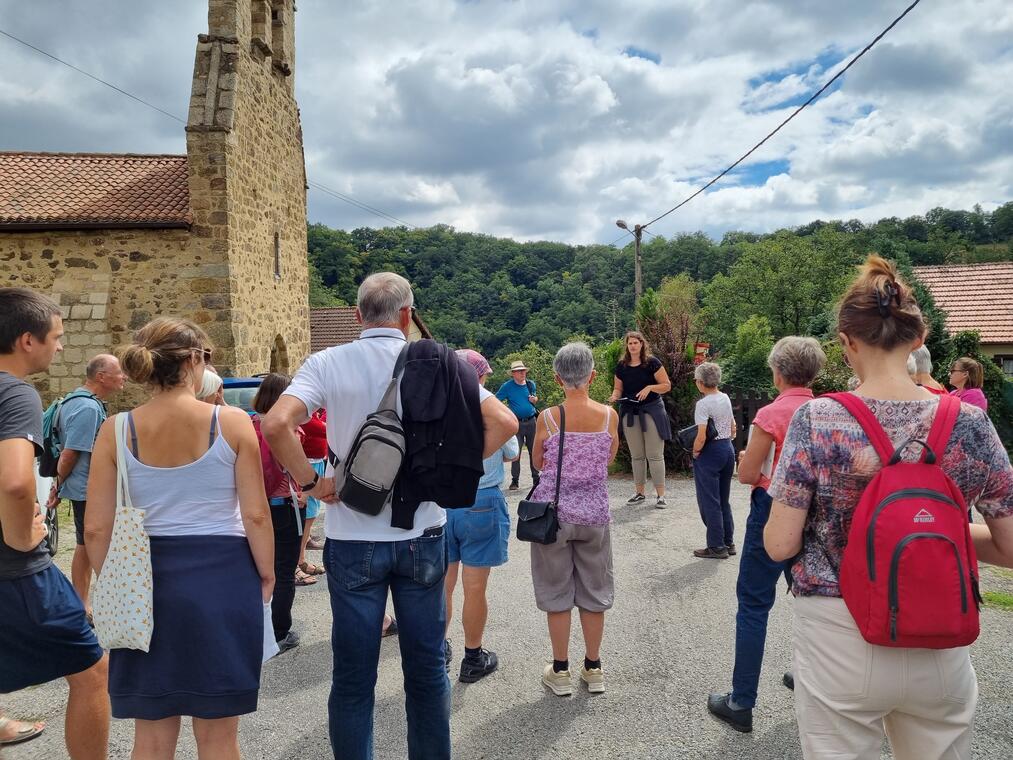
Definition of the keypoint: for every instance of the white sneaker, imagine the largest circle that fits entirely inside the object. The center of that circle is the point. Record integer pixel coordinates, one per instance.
(559, 683)
(594, 678)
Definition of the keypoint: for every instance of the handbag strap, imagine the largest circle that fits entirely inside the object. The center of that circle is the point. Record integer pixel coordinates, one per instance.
(559, 459)
(122, 484)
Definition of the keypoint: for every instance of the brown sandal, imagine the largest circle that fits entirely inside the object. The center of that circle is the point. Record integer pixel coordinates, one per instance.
(303, 579)
(310, 569)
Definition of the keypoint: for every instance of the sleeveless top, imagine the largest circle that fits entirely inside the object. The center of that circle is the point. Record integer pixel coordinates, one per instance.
(195, 499)
(583, 494)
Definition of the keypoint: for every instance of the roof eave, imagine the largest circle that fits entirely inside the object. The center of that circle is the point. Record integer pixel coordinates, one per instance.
(68, 226)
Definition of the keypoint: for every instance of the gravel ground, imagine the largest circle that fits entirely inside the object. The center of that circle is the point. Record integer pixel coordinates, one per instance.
(668, 642)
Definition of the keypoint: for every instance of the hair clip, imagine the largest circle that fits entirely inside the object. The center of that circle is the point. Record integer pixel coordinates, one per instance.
(883, 297)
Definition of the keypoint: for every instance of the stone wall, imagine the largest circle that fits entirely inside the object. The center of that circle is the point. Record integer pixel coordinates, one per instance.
(111, 282)
(247, 180)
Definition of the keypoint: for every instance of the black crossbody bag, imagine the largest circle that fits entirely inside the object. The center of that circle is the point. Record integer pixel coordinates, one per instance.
(537, 521)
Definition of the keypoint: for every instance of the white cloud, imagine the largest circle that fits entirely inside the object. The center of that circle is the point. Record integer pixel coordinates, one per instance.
(527, 119)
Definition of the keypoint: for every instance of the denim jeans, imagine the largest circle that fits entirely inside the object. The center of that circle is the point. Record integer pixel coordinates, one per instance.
(359, 575)
(712, 471)
(756, 589)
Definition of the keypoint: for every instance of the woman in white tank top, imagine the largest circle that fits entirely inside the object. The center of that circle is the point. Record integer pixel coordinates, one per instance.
(195, 470)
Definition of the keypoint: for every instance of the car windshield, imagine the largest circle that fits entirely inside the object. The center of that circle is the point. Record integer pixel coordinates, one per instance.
(241, 397)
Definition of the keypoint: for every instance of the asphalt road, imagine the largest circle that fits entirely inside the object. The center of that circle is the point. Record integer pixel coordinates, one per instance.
(668, 642)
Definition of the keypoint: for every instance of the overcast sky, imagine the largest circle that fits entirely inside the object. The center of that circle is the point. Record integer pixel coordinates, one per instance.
(552, 118)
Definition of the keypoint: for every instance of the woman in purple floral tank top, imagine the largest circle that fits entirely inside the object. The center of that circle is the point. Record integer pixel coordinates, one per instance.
(575, 571)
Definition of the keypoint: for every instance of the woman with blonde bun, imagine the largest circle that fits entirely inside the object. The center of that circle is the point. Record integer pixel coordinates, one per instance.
(195, 471)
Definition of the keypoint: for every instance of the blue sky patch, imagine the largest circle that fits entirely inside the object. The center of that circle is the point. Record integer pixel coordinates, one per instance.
(755, 174)
(647, 55)
(823, 62)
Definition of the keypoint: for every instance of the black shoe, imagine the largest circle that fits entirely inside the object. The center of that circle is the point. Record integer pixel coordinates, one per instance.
(515, 486)
(636, 499)
(789, 680)
(473, 669)
(448, 653)
(730, 548)
(660, 503)
(711, 553)
(740, 720)
(291, 641)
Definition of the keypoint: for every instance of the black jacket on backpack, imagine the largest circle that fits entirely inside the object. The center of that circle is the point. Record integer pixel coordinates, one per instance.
(442, 420)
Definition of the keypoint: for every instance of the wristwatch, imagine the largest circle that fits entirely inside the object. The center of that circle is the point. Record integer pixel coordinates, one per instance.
(309, 486)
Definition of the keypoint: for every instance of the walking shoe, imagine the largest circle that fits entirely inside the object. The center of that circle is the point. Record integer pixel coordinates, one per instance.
(448, 653)
(474, 669)
(740, 720)
(789, 680)
(290, 641)
(711, 553)
(660, 503)
(315, 544)
(559, 683)
(730, 548)
(637, 498)
(514, 486)
(594, 678)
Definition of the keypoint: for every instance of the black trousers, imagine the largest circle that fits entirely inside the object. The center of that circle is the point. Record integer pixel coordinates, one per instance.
(286, 556)
(525, 437)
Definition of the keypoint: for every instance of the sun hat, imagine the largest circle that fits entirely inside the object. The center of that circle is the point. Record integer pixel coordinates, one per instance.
(476, 360)
(517, 365)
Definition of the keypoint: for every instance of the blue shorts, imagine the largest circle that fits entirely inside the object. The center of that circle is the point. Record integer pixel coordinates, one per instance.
(478, 536)
(44, 635)
(313, 505)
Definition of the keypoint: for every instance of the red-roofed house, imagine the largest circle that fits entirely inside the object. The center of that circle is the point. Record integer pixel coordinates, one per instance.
(217, 235)
(976, 297)
(336, 326)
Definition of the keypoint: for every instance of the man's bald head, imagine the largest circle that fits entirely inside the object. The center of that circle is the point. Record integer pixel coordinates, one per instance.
(101, 363)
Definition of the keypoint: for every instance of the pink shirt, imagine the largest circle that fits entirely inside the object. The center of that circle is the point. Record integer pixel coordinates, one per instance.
(774, 419)
(972, 396)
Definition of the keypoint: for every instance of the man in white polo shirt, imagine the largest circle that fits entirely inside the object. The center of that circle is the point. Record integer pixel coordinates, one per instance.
(365, 556)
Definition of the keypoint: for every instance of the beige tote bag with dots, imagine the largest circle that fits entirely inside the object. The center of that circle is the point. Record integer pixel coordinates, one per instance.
(121, 599)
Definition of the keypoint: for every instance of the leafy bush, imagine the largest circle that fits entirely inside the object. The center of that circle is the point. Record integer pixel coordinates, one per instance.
(996, 387)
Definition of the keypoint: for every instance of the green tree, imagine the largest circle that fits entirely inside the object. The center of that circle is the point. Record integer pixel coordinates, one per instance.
(746, 367)
(997, 389)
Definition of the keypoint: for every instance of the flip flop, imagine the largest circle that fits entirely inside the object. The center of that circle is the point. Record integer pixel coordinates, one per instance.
(302, 579)
(310, 569)
(29, 732)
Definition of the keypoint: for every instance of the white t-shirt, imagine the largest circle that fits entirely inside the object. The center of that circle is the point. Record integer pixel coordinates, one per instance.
(348, 381)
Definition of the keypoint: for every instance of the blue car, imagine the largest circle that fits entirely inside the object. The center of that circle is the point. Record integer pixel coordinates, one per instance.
(239, 391)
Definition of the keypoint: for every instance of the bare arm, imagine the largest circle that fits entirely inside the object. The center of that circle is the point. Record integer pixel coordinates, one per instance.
(101, 512)
(756, 453)
(23, 530)
(700, 440)
(538, 447)
(66, 463)
(994, 543)
(614, 432)
(617, 390)
(253, 506)
(279, 428)
(782, 536)
(499, 424)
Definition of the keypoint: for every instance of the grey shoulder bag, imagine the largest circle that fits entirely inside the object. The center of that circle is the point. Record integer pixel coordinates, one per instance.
(537, 521)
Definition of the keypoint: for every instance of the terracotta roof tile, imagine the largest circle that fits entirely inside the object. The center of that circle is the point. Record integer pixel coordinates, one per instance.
(332, 326)
(74, 190)
(974, 297)
(336, 325)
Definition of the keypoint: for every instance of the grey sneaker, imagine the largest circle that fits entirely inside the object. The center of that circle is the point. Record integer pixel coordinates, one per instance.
(660, 503)
(448, 653)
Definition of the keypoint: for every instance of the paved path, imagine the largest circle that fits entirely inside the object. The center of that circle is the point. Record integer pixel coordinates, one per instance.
(668, 642)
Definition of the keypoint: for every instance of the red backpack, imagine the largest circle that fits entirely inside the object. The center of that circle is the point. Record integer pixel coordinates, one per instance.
(909, 574)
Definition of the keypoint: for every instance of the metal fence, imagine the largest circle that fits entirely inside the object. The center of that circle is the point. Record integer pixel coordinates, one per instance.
(745, 405)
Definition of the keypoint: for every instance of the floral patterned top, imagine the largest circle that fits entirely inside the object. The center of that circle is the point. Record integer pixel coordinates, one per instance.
(583, 494)
(827, 461)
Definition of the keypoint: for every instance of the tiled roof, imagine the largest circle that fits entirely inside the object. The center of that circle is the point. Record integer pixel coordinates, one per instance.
(336, 325)
(332, 326)
(974, 297)
(92, 190)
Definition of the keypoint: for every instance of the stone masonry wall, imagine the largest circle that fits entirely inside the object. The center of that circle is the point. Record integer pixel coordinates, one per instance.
(111, 282)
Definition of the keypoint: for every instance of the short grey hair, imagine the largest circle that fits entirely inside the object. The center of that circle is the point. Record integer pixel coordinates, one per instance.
(574, 364)
(708, 373)
(798, 360)
(381, 296)
(210, 384)
(912, 365)
(98, 364)
(923, 360)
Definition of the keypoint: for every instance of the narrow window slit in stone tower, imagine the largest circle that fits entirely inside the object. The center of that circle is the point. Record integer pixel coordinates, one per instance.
(277, 256)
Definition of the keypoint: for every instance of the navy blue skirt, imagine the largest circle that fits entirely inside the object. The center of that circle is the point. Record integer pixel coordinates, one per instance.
(208, 642)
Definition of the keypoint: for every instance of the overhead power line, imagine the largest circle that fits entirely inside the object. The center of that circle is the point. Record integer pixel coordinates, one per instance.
(340, 196)
(795, 113)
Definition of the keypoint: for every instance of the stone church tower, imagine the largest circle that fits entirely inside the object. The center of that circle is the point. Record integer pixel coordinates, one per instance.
(217, 235)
